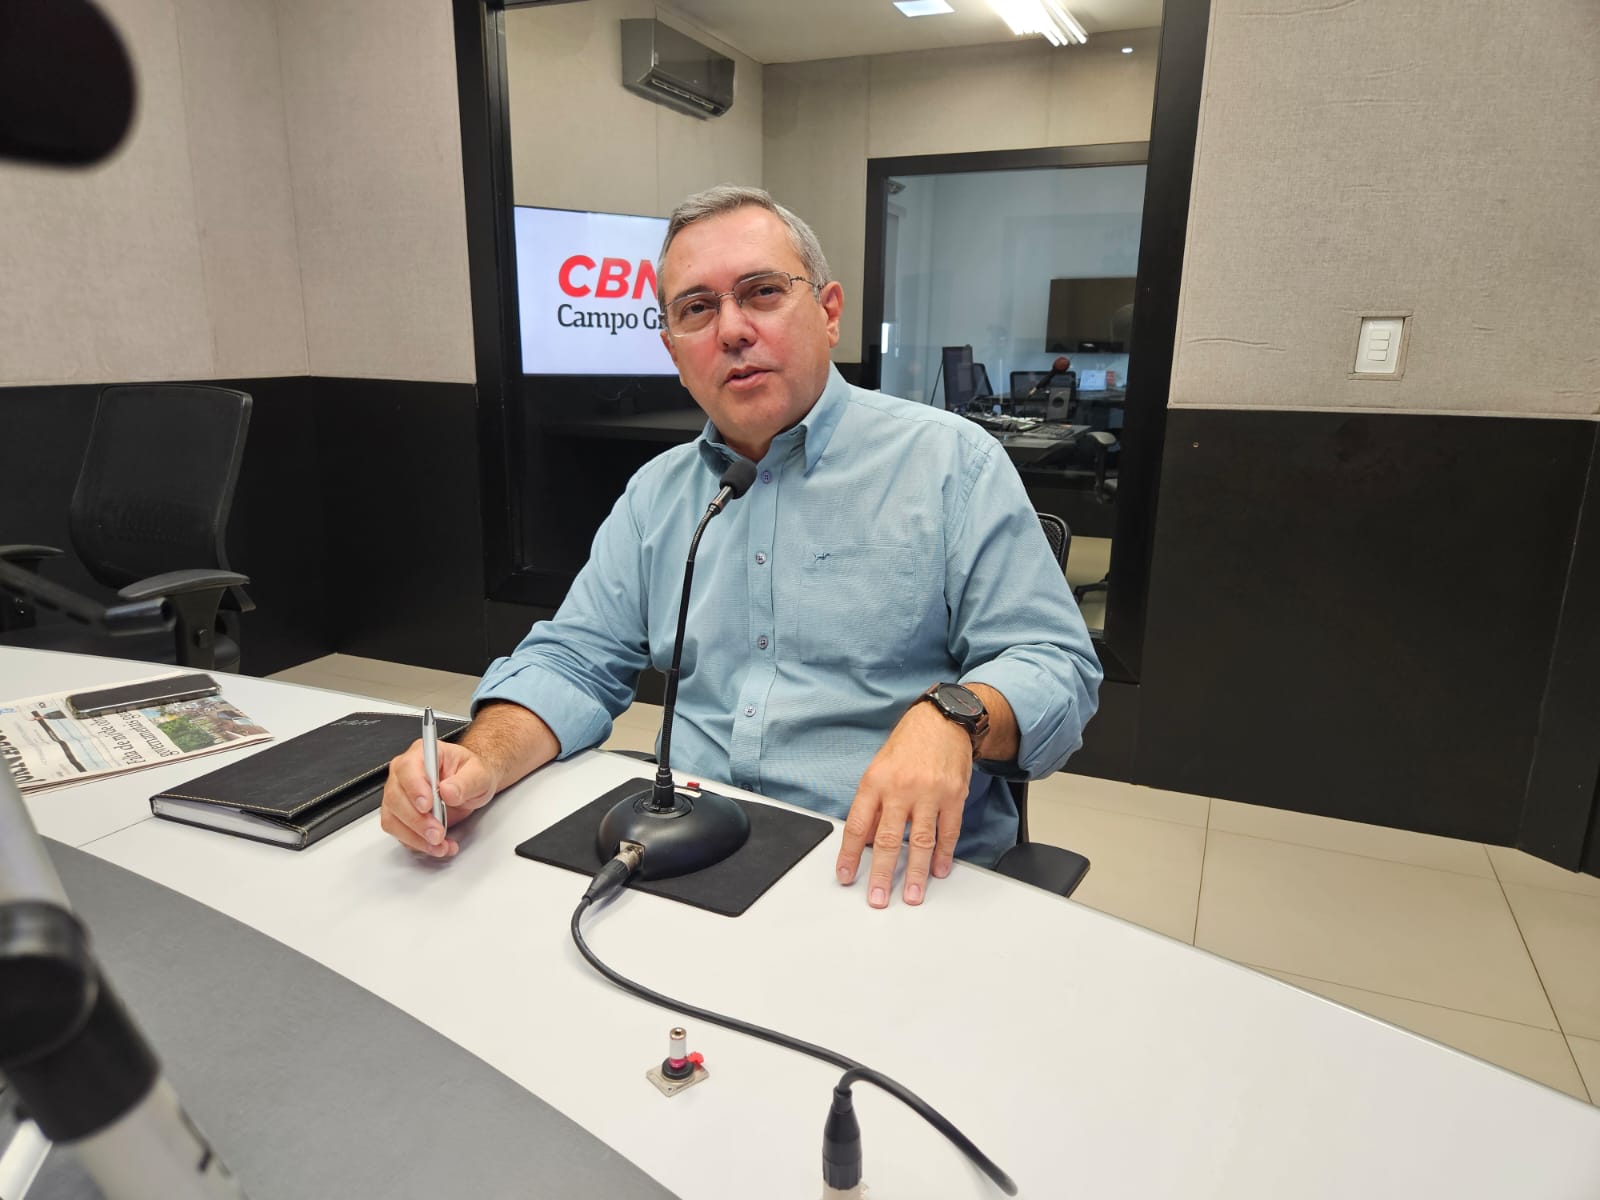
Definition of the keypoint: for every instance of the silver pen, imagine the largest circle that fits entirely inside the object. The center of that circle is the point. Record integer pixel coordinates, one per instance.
(430, 763)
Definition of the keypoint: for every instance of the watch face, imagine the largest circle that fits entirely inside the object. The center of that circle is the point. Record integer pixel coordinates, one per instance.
(958, 701)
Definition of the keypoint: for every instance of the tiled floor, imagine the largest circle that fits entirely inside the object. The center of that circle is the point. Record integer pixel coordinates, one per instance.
(1480, 947)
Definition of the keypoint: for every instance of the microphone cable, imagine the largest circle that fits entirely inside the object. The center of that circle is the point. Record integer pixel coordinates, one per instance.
(610, 878)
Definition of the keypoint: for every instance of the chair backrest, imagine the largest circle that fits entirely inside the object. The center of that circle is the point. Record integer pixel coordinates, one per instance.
(1058, 535)
(157, 480)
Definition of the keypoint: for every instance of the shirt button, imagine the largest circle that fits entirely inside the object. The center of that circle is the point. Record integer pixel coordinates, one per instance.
(761, 558)
(749, 710)
(766, 477)
(761, 642)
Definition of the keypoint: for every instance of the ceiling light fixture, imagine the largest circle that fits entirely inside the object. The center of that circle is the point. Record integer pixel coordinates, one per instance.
(922, 8)
(1127, 49)
(1045, 18)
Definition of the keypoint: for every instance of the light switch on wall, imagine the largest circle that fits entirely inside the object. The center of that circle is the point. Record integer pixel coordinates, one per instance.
(1379, 346)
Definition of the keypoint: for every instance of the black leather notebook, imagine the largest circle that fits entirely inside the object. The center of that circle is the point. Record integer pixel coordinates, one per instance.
(299, 791)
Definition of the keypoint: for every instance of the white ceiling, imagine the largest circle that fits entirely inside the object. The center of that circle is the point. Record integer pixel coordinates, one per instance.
(779, 31)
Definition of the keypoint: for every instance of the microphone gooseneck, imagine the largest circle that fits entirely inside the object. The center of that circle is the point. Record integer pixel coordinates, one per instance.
(680, 831)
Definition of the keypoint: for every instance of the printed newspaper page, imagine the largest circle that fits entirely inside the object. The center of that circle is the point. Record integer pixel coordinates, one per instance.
(44, 745)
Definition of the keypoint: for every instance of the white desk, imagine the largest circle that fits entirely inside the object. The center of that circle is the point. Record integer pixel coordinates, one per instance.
(1085, 1055)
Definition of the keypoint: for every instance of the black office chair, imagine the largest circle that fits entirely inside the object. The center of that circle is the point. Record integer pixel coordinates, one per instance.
(1049, 867)
(148, 517)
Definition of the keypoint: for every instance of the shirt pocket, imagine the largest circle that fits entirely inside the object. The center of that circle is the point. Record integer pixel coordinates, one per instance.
(858, 603)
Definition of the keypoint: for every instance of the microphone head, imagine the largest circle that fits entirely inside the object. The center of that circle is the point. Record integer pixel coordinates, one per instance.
(1061, 363)
(67, 88)
(738, 478)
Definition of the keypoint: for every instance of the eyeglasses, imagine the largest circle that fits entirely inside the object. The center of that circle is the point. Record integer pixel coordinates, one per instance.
(696, 312)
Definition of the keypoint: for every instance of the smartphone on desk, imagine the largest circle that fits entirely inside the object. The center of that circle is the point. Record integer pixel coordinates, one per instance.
(147, 693)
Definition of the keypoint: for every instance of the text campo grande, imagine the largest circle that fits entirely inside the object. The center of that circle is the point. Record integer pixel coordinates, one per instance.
(569, 317)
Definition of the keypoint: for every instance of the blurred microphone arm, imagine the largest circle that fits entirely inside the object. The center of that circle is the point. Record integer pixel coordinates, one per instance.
(78, 1067)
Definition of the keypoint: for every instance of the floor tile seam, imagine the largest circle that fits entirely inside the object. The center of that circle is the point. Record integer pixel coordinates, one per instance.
(1121, 813)
(1200, 887)
(1395, 862)
(1583, 1079)
(430, 675)
(1135, 816)
(1537, 887)
(1543, 987)
(1566, 891)
(1355, 987)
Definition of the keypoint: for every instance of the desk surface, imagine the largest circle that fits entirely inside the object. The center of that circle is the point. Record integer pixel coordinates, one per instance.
(1085, 1055)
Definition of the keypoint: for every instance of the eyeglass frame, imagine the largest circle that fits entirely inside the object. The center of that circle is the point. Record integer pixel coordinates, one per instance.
(719, 297)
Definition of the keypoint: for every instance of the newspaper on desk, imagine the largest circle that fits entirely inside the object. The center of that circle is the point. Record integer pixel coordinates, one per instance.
(44, 746)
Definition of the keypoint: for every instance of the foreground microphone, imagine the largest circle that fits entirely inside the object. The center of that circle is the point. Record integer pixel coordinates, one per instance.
(1058, 367)
(66, 85)
(73, 1055)
(680, 831)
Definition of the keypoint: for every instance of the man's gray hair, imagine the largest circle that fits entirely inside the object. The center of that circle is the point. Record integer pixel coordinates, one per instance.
(725, 198)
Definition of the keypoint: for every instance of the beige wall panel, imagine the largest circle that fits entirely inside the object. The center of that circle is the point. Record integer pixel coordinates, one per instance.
(100, 276)
(694, 154)
(375, 158)
(1428, 156)
(962, 99)
(240, 154)
(578, 140)
(816, 164)
(1099, 94)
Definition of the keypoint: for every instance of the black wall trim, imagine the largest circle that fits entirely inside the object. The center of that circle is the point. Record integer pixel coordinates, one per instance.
(1561, 818)
(404, 528)
(1174, 121)
(1354, 615)
(491, 264)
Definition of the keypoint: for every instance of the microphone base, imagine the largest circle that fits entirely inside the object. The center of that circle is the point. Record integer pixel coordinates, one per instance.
(700, 829)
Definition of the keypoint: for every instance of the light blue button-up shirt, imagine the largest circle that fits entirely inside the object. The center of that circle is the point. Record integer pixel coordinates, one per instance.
(884, 547)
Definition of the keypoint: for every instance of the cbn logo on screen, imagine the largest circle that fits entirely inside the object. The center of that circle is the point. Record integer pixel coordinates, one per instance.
(610, 282)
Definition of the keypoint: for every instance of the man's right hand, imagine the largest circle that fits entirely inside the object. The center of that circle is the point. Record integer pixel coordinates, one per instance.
(465, 785)
(504, 742)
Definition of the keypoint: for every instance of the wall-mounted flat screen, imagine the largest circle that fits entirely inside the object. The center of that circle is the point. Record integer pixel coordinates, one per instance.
(586, 293)
(1089, 315)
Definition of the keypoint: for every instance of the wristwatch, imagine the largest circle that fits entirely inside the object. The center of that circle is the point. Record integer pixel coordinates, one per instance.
(962, 706)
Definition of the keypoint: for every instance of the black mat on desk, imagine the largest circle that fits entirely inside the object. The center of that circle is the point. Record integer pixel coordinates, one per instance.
(778, 839)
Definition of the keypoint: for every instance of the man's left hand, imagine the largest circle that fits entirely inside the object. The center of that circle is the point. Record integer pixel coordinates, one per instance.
(920, 777)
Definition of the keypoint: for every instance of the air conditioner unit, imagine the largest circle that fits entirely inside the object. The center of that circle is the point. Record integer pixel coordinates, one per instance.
(672, 68)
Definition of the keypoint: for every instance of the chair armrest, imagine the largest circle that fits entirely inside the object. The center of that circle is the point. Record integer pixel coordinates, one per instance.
(1048, 867)
(28, 556)
(182, 583)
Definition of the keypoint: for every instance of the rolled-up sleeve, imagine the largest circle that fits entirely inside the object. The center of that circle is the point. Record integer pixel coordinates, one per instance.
(1014, 625)
(578, 670)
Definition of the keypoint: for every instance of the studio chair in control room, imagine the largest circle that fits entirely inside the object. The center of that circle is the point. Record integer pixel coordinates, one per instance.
(1049, 867)
(148, 518)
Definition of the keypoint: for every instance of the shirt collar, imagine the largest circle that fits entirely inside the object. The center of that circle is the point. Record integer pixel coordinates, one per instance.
(814, 430)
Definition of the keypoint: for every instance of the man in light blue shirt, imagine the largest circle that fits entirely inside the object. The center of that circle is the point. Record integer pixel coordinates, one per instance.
(886, 550)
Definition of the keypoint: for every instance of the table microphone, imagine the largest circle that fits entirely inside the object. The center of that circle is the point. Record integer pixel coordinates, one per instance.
(1058, 367)
(680, 831)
